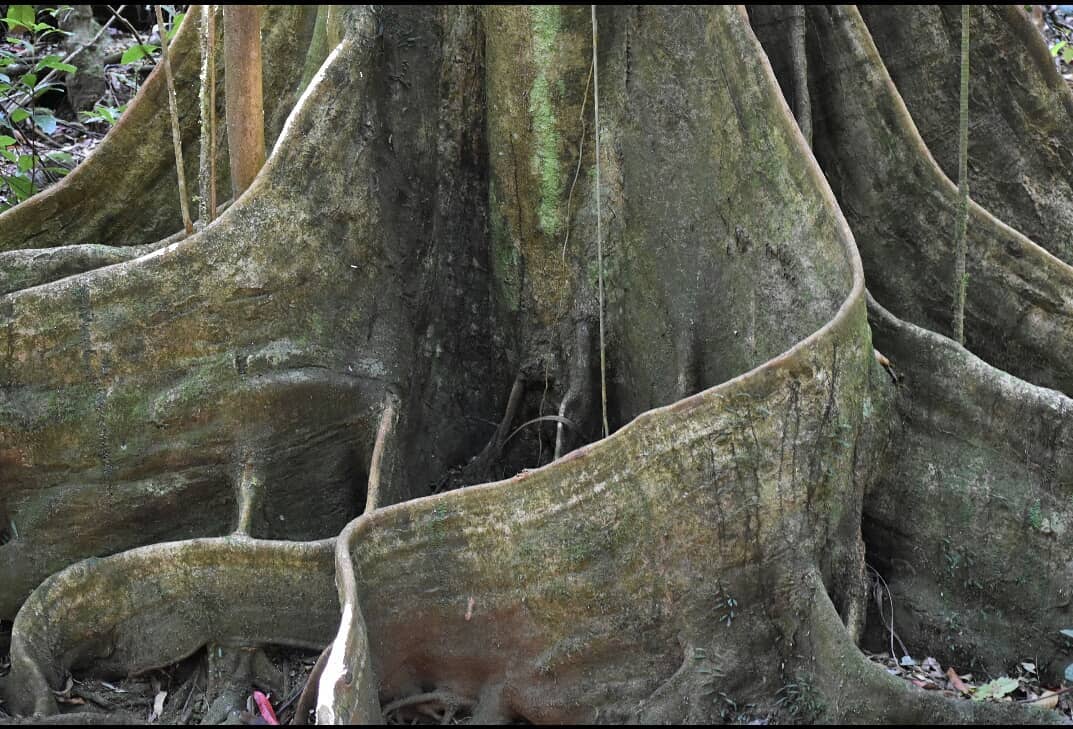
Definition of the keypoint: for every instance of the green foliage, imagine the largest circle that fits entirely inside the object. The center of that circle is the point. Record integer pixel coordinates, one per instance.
(26, 168)
(801, 700)
(102, 114)
(1063, 50)
(996, 689)
(146, 51)
(19, 112)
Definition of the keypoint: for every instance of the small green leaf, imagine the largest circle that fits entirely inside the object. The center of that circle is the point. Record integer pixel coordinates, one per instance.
(21, 186)
(9, 155)
(44, 120)
(6, 141)
(995, 689)
(138, 51)
(19, 115)
(175, 25)
(29, 80)
(46, 28)
(26, 161)
(60, 156)
(54, 61)
(1057, 47)
(20, 16)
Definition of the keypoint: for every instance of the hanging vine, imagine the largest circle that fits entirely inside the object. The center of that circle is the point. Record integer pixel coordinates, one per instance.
(961, 278)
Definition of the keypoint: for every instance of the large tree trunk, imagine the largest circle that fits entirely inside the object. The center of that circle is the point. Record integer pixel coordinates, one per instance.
(186, 437)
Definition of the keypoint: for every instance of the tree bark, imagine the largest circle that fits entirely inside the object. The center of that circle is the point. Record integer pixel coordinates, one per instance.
(189, 437)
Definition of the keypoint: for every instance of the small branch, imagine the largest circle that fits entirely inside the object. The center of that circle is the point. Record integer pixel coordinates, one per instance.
(184, 715)
(1052, 694)
(481, 464)
(134, 31)
(542, 419)
(184, 202)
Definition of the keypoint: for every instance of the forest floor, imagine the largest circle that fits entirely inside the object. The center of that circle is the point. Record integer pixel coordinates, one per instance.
(43, 135)
(179, 694)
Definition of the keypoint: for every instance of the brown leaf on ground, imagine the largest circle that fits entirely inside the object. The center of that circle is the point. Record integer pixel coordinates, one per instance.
(956, 682)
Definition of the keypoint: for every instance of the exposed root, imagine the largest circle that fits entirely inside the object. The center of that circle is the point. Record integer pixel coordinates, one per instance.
(250, 499)
(855, 689)
(153, 606)
(307, 701)
(881, 591)
(983, 489)
(480, 468)
(799, 54)
(25, 268)
(388, 416)
(576, 399)
(230, 677)
(448, 703)
(1014, 280)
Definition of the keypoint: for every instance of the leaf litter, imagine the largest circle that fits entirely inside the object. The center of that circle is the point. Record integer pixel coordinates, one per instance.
(1025, 686)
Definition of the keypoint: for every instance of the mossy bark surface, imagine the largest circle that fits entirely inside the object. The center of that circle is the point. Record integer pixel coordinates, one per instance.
(979, 459)
(182, 426)
(1021, 109)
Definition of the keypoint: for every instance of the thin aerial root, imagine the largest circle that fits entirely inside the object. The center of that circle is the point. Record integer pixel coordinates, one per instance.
(960, 277)
(388, 417)
(176, 135)
(207, 167)
(599, 226)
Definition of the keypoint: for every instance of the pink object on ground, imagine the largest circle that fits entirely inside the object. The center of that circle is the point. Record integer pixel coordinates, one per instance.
(266, 708)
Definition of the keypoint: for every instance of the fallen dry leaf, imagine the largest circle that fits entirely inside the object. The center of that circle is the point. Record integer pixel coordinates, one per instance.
(1048, 700)
(956, 682)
